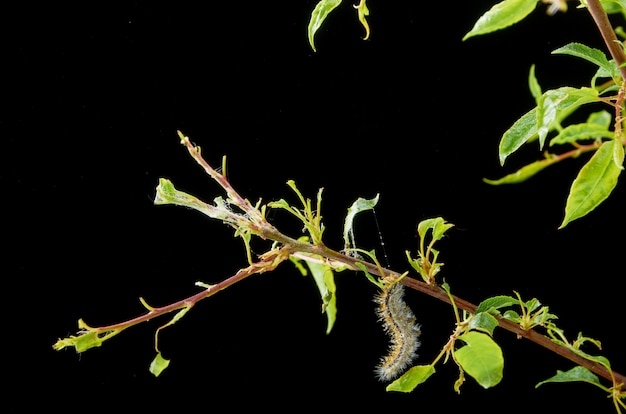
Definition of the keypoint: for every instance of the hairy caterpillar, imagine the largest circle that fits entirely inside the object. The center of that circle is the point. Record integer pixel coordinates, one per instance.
(399, 324)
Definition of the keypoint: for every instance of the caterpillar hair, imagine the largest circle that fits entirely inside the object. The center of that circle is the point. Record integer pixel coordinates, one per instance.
(403, 331)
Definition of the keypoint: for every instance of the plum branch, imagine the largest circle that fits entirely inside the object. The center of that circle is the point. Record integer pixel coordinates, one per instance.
(237, 212)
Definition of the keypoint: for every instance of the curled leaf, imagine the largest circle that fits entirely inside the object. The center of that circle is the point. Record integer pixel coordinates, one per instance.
(361, 204)
(363, 12)
(158, 365)
(319, 14)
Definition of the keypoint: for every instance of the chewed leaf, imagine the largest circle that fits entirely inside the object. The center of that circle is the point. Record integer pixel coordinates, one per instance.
(595, 181)
(361, 204)
(412, 378)
(502, 15)
(158, 365)
(87, 338)
(319, 14)
(573, 375)
(481, 358)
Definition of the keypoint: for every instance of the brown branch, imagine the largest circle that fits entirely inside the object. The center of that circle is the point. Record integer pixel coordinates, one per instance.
(269, 261)
(292, 247)
(608, 34)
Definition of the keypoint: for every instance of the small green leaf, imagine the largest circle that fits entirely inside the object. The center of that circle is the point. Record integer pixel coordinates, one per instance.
(325, 281)
(602, 118)
(502, 15)
(523, 173)
(483, 321)
(595, 181)
(496, 302)
(532, 304)
(361, 204)
(533, 84)
(319, 14)
(512, 316)
(573, 375)
(412, 378)
(556, 104)
(158, 365)
(438, 226)
(481, 358)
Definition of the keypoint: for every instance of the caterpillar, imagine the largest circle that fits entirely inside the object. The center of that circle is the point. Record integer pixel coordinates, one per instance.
(399, 324)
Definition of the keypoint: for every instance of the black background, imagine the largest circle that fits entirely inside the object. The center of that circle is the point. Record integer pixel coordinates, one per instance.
(93, 96)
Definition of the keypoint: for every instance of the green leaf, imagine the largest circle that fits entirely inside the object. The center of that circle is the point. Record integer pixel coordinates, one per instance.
(319, 14)
(573, 375)
(361, 204)
(502, 15)
(595, 56)
(483, 321)
(556, 104)
(533, 84)
(595, 181)
(158, 365)
(412, 378)
(481, 358)
(523, 173)
(522, 131)
(496, 302)
(325, 281)
(602, 118)
(512, 316)
(579, 132)
(597, 126)
(438, 226)
(532, 304)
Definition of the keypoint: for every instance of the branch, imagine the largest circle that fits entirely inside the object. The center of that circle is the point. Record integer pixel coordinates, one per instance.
(253, 221)
(438, 293)
(608, 34)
